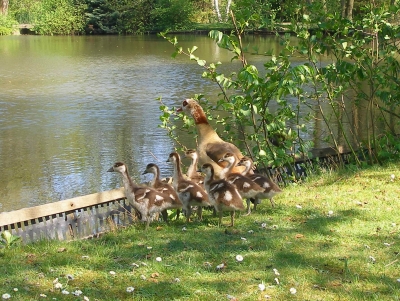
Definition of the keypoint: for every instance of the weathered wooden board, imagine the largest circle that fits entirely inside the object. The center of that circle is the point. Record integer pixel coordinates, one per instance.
(80, 217)
(12, 217)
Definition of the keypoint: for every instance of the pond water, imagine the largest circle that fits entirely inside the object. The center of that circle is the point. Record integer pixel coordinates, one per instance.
(72, 106)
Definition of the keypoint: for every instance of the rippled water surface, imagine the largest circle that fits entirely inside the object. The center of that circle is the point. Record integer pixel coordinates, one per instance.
(72, 106)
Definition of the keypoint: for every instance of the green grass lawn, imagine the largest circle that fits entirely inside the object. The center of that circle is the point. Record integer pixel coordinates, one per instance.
(334, 237)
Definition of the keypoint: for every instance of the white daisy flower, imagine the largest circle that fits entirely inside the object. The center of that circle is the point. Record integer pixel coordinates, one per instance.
(43, 295)
(159, 259)
(143, 277)
(85, 257)
(220, 266)
(387, 244)
(243, 238)
(77, 293)
(135, 265)
(276, 272)
(392, 176)
(6, 296)
(267, 297)
(293, 290)
(58, 285)
(299, 206)
(261, 287)
(65, 292)
(149, 248)
(184, 229)
(130, 289)
(239, 258)
(330, 212)
(177, 280)
(263, 225)
(85, 298)
(15, 289)
(113, 273)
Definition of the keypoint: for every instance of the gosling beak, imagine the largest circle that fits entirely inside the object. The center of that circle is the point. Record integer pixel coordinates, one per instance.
(111, 169)
(145, 172)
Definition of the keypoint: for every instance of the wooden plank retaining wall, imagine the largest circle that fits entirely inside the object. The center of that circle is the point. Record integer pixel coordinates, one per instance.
(80, 217)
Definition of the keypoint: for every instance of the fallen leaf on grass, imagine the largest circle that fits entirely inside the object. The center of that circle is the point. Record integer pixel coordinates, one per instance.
(298, 235)
(155, 275)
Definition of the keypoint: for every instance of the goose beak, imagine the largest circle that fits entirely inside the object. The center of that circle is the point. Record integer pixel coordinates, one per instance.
(179, 110)
(111, 169)
(145, 172)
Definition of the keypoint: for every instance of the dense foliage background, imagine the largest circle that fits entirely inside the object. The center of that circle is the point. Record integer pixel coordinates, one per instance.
(140, 16)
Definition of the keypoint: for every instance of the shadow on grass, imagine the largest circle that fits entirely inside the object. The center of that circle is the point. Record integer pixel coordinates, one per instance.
(302, 242)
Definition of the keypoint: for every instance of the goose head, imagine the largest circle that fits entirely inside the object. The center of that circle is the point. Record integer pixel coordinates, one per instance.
(192, 107)
(118, 167)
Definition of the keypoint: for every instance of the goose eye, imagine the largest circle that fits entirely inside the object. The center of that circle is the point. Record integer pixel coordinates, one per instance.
(185, 103)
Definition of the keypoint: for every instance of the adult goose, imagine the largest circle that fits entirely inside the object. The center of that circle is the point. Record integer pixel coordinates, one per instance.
(270, 187)
(163, 187)
(247, 188)
(146, 200)
(190, 193)
(222, 194)
(210, 146)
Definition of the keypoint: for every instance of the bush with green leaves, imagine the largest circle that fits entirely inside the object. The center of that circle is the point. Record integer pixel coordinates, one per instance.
(8, 239)
(361, 77)
(7, 24)
(60, 17)
(172, 14)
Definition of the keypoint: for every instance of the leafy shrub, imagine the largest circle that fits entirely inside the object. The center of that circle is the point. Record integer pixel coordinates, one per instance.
(7, 24)
(172, 14)
(59, 17)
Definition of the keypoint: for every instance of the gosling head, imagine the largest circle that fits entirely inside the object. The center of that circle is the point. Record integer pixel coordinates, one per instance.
(245, 161)
(228, 157)
(118, 167)
(151, 168)
(191, 153)
(207, 169)
(173, 157)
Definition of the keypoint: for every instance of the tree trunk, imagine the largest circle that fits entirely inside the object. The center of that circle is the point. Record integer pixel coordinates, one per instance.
(228, 9)
(4, 7)
(347, 9)
(217, 12)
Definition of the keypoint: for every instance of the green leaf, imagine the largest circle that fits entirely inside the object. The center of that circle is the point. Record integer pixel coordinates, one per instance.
(262, 153)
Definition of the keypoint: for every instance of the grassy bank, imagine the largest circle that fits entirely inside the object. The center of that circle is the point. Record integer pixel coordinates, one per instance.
(335, 237)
